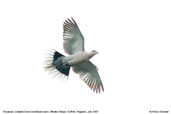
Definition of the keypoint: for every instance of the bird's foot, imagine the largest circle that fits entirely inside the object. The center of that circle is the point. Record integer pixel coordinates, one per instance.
(66, 64)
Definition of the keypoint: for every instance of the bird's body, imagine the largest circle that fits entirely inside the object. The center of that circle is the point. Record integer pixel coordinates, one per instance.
(78, 58)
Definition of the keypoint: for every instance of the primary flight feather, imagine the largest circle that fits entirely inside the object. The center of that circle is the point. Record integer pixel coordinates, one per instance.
(77, 57)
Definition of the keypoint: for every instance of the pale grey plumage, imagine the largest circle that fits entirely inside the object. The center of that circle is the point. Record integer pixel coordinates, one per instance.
(88, 73)
(73, 39)
(78, 59)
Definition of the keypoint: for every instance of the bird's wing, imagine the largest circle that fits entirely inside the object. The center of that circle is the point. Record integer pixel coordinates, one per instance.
(88, 73)
(73, 39)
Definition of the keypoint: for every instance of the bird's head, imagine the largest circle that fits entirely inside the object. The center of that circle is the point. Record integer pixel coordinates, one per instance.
(94, 52)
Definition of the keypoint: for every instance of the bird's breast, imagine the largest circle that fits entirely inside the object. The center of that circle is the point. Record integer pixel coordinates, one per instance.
(77, 58)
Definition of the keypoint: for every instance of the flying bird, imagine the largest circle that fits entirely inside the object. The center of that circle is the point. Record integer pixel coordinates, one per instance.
(77, 57)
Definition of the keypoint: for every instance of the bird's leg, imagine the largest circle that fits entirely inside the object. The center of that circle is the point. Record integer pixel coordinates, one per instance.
(65, 63)
(68, 62)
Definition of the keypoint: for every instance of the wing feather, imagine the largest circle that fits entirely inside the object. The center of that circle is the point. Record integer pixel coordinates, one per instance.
(88, 73)
(73, 39)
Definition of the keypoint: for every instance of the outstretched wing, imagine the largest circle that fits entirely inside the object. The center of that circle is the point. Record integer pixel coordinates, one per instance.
(73, 39)
(88, 73)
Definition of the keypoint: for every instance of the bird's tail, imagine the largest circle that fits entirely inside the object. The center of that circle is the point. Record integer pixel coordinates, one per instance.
(54, 64)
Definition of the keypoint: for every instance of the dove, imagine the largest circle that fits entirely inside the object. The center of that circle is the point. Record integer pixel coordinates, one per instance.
(77, 59)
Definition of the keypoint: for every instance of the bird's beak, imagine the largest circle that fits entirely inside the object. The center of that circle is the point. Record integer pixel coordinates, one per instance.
(97, 52)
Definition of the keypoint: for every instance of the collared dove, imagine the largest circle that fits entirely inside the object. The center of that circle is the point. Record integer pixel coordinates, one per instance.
(77, 57)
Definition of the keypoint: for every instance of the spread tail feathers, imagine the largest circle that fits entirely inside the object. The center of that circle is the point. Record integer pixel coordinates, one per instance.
(55, 64)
